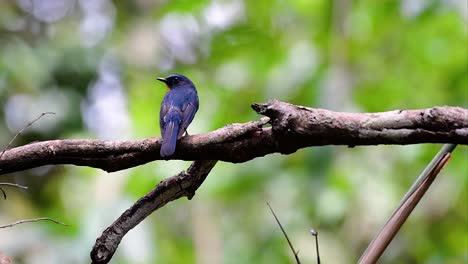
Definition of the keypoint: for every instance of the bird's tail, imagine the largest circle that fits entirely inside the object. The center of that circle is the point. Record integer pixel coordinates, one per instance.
(171, 131)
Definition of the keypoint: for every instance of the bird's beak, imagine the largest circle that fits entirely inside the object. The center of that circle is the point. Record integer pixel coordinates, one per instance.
(162, 79)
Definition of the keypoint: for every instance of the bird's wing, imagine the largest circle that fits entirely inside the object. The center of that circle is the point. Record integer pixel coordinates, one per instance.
(188, 113)
(162, 116)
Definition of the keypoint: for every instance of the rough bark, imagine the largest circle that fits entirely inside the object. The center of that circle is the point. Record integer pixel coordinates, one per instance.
(292, 127)
(183, 184)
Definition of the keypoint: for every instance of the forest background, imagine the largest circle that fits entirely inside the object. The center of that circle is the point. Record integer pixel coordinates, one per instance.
(95, 63)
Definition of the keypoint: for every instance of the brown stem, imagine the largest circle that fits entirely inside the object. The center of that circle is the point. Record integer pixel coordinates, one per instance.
(292, 127)
(182, 184)
(378, 245)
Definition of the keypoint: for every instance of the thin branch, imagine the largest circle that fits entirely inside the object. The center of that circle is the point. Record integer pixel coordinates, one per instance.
(22, 130)
(296, 256)
(31, 221)
(406, 206)
(182, 184)
(292, 127)
(9, 145)
(315, 234)
(11, 185)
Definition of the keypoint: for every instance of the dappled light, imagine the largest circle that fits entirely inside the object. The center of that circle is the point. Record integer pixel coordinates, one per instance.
(95, 63)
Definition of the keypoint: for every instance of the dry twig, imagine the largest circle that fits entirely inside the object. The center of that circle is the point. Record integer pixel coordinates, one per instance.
(296, 253)
(315, 234)
(31, 221)
(11, 185)
(22, 130)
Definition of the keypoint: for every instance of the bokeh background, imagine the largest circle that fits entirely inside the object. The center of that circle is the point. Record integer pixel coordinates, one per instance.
(94, 64)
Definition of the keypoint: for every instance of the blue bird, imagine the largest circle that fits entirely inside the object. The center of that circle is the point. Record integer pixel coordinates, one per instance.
(178, 109)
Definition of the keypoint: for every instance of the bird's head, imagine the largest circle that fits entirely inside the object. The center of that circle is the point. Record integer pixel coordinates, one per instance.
(176, 80)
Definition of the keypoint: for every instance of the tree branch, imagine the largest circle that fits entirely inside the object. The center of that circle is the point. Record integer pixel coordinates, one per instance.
(19, 222)
(292, 127)
(183, 184)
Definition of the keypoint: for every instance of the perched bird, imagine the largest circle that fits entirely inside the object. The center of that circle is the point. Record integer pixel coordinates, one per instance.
(177, 110)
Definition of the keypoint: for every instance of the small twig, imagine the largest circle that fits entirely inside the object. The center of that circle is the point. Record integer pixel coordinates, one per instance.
(286, 236)
(33, 220)
(406, 206)
(22, 130)
(12, 185)
(315, 234)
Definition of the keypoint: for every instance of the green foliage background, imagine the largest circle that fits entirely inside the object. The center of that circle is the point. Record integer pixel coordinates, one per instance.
(94, 63)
